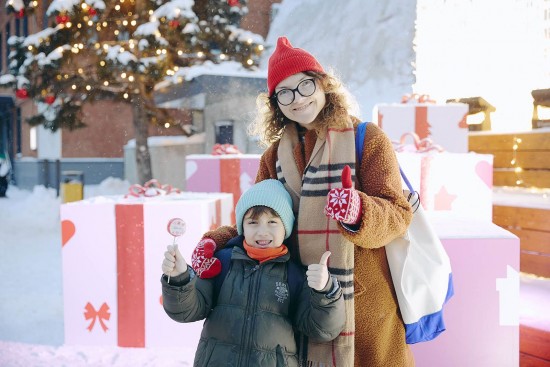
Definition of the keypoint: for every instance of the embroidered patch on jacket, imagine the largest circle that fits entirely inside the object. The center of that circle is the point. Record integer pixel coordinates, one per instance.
(281, 291)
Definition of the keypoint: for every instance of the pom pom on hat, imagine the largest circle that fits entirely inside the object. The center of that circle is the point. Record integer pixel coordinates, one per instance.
(270, 193)
(286, 61)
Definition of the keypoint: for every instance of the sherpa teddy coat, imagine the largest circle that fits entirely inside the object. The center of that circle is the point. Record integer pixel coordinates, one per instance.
(379, 330)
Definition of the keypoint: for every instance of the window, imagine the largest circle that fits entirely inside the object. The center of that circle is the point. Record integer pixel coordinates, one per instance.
(224, 132)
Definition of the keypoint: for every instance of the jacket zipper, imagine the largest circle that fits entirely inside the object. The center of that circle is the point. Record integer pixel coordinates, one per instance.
(251, 306)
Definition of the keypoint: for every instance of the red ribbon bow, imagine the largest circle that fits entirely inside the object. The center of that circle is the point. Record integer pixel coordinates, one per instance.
(221, 149)
(416, 98)
(421, 145)
(102, 314)
(151, 188)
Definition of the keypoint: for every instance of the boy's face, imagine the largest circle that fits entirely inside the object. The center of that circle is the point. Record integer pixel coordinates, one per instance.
(265, 231)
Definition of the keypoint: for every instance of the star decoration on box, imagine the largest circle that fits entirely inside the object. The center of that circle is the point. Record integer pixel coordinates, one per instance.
(444, 200)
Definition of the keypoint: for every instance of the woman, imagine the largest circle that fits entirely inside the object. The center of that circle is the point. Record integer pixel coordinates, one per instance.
(305, 121)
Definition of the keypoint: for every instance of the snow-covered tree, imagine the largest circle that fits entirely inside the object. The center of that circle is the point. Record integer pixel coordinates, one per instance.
(121, 50)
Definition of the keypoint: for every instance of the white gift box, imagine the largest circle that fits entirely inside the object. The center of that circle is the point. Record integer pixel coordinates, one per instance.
(112, 254)
(444, 124)
(456, 183)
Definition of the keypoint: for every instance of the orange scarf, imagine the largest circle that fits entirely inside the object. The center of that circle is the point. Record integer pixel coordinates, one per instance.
(264, 254)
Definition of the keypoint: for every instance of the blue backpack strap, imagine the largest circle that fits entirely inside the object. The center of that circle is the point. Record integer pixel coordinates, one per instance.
(295, 279)
(224, 255)
(225, 258)
(359, 142)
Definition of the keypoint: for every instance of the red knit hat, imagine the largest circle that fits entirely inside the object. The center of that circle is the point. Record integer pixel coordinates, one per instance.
(286, 61)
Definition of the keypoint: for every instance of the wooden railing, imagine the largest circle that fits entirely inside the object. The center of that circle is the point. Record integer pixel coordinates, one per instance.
(523, 160)
(526, 166)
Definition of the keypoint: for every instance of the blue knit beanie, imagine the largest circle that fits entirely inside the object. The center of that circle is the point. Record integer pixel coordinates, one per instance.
(270, 193)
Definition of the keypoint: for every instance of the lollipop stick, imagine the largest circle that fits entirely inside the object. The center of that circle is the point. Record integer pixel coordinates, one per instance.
(175, 247)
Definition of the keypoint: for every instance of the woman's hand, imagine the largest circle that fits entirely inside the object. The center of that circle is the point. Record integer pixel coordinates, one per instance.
(203, 261)
(344, 204)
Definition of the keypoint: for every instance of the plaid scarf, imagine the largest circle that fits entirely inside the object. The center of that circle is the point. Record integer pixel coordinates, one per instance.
(318, 233)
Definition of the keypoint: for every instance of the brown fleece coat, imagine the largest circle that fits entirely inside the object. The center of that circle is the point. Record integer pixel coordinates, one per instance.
(379, 330)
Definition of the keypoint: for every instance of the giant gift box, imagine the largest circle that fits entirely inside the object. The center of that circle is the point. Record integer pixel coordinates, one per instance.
(482, 318)
(112, 254)
(455, 183)
(445, 124)
(232, 173)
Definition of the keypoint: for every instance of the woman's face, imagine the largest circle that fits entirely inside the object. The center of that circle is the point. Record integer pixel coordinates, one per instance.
(302, 110)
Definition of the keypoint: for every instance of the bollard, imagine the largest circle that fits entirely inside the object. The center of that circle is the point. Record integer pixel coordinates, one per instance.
(72, 186)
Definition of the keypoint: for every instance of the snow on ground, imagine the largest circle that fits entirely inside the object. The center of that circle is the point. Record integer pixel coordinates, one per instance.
(31, 298)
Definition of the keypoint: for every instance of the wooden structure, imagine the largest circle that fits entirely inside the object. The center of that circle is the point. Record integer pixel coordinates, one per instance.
(477, 105)
(541, 98)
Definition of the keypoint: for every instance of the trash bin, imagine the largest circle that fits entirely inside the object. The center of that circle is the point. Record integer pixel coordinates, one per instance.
(72, 186)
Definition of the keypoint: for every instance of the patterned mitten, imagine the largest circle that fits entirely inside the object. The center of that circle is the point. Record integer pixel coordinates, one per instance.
(344, 204)
(203, 261)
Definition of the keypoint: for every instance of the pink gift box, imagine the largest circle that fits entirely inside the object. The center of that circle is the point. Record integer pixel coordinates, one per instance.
(444, 124)
(457, 183)
(482, 318)
(112, 254)
(232, 173)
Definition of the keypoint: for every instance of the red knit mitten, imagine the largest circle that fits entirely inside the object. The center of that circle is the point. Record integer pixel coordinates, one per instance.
(344, 204)
(203, 261)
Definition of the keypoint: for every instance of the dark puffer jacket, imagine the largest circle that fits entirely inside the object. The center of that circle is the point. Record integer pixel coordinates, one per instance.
(250, 319)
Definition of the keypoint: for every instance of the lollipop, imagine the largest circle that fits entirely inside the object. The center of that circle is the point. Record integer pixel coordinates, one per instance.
(176, 227)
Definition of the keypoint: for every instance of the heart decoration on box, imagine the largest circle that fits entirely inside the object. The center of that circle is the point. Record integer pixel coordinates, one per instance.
(190, 169)
(68, 230)
(484, 170)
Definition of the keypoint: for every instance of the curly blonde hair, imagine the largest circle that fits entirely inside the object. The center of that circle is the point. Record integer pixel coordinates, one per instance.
(270, 122)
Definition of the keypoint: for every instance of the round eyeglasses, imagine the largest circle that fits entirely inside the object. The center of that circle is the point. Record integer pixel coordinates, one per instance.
(286, 96)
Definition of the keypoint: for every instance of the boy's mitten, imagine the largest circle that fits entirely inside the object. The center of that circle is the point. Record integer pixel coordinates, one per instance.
(203, 261)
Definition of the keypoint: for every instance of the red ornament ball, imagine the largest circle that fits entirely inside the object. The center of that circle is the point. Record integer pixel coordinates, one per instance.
(49, 99)
(92, 12)
(173, 24)
(62, 19)
(22, 93)
(233, 2)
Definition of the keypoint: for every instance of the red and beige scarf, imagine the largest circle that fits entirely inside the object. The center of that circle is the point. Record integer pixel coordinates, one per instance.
(318, 233)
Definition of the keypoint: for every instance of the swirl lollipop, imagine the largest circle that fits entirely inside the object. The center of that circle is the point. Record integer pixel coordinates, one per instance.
(176, 228)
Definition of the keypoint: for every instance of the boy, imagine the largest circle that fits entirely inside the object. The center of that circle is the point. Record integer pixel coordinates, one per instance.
(251, 317)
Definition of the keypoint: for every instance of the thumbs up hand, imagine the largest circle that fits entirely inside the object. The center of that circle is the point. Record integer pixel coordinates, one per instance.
(344, 204)
(317, 274)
